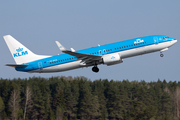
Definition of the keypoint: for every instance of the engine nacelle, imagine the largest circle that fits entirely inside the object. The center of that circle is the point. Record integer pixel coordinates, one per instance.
(112, 59)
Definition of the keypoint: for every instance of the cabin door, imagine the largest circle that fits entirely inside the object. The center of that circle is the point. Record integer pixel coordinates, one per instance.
(40, 66)
(156, 40)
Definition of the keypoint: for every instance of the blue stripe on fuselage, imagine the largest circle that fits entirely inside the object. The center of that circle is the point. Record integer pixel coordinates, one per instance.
(99, 50)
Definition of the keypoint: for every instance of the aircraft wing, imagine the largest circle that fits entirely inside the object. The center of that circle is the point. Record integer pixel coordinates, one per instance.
(82, 56)
(79, 55)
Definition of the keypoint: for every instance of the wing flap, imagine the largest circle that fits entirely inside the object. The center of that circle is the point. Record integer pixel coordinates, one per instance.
(79, 55)
(76, 54)
(86, 58)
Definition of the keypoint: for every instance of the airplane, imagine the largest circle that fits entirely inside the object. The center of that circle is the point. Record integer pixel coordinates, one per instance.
(109, 54)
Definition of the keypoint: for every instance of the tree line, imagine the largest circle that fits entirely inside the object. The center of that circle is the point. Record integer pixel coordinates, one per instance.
(67, 98)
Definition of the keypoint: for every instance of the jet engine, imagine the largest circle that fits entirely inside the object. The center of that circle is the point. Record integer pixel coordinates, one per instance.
(111, 59)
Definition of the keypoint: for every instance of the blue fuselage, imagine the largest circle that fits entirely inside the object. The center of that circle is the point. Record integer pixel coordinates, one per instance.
(118, 47)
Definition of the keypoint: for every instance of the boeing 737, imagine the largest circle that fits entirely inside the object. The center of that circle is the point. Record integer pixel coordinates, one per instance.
(109, 54)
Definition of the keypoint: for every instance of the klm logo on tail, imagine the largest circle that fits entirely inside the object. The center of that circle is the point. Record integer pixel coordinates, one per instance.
(20, 52)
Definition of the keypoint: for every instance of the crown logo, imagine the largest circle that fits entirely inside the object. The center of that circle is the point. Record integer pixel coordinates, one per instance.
(19, 49)
(112, 57)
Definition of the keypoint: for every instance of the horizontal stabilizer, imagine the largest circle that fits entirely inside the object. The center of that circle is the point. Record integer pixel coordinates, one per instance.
(15, 65)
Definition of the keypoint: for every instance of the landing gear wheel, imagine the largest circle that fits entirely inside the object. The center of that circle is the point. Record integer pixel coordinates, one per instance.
(95, 69)
(161, 55)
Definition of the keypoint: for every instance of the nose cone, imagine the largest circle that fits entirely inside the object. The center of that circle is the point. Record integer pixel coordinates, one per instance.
(174, 41)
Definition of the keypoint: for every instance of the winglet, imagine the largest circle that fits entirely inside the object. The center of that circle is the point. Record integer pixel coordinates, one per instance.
(60, 46)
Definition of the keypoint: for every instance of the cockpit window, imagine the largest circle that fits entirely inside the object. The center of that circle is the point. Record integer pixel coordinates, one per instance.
(165, 37)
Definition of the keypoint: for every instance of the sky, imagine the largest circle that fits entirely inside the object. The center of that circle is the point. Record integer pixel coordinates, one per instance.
(81, 24)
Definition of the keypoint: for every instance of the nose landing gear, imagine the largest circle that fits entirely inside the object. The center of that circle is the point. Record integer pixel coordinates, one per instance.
(161, 55)
(163, 51)
(95, 69)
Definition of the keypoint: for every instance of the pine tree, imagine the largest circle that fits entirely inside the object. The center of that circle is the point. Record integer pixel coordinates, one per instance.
(38, 110)
(2, 106)
(98, 91)
(86, 101)
(71, 102)
(176, 100)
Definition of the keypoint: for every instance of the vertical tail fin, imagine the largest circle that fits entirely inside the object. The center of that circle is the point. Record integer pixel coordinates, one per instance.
(20, 53)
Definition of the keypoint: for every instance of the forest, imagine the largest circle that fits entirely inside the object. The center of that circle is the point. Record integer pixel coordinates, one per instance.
(78, 98)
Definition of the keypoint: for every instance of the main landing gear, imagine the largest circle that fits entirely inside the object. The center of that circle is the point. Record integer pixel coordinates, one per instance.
(161, 54)
(95, 69)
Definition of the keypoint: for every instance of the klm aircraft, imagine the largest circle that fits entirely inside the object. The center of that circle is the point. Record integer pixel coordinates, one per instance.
(109, 54)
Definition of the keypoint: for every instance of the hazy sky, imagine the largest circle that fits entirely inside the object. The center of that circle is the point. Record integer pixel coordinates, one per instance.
(82, 24)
